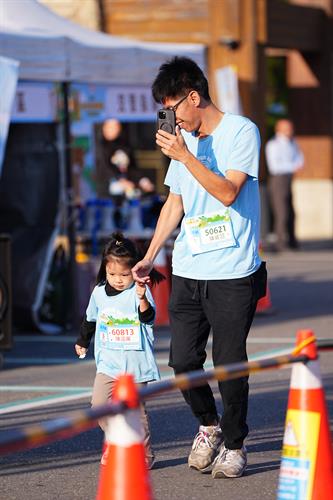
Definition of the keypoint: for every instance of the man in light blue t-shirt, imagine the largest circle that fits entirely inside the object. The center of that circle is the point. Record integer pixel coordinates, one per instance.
(217, 274)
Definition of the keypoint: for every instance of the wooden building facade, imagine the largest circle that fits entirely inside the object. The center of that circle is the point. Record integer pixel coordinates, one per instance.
(244, 34)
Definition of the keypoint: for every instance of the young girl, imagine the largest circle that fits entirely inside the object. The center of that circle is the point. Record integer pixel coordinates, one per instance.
(120, 313)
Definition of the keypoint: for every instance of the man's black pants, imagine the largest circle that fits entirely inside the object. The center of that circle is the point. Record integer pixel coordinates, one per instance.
(227, 307)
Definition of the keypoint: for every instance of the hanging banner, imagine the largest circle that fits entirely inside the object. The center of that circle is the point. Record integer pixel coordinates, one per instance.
(35, 102)
(130, 103)
(227, 90)
(133, 103)
(8, 81)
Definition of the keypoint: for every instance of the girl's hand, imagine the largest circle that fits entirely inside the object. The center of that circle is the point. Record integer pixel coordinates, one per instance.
(140, 290)
(80, 351)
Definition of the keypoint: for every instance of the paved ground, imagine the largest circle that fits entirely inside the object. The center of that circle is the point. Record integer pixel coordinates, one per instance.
(42, 379)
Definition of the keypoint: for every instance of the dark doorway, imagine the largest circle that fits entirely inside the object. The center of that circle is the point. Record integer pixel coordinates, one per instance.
(29, 201)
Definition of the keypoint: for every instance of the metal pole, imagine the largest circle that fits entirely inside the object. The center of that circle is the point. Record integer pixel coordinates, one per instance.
(101, 15)
(6, 339)
(71, 233)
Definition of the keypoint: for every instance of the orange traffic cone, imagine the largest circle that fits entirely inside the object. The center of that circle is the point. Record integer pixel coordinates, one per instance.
(125, 475)
(264, 305)
(307, 459)
(161, 292)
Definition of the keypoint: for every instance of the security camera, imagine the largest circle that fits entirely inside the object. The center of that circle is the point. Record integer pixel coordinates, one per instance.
(229, 42)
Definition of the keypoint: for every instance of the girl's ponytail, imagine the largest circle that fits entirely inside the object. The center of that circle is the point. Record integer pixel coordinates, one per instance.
(156, 277)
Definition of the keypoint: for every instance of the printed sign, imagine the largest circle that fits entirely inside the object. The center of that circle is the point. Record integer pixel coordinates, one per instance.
(35, 102)
(299, 455)
(93, 103)
(130, 103)
(227, 90)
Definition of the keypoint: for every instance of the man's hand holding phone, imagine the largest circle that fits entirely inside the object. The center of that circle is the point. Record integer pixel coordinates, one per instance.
(168, 136)
(172, 146)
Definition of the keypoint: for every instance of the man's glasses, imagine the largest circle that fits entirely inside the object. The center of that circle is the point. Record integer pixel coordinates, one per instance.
(174, 108)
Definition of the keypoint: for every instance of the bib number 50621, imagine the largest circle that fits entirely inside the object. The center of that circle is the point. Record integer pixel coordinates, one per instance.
(215, 230)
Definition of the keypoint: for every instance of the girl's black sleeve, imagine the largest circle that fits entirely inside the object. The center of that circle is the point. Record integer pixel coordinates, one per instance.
(147, 316)
(87, 331)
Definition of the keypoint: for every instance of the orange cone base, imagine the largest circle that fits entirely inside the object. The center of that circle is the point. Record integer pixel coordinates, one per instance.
(125, 475)
(264, 305)
(161, 294)
(314, 401)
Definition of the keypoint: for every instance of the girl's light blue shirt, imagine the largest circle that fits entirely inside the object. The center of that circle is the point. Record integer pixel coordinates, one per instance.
(113, 362)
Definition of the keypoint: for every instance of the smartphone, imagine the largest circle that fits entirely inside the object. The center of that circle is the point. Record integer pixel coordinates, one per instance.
(166, 120)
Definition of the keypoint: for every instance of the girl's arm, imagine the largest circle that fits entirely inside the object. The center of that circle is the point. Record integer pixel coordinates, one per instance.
(170, 216)
(146, 310)
(87, 331)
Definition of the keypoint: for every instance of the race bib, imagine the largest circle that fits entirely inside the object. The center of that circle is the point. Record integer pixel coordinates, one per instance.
(210, 231)
(119, 333)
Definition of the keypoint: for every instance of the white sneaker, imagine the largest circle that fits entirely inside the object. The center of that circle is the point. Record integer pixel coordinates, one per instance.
(229, 463)
(205, 447)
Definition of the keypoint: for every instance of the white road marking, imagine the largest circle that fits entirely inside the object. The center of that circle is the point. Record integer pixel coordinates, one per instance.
(50, 400)
(166, 372)
(44, 361)
(41, 388)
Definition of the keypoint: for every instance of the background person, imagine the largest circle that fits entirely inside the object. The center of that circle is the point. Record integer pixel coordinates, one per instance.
(116, 305)
(284, 158)
(217, 272)
(151, 203)
(116, 169)
(119, 158)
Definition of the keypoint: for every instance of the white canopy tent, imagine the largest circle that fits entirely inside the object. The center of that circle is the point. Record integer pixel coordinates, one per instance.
(51, 48)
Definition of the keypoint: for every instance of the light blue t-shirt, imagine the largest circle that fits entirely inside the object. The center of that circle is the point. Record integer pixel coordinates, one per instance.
(233, 145)
(122, 343)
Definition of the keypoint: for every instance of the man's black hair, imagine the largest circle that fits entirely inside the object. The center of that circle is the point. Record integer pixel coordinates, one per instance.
(177, 77)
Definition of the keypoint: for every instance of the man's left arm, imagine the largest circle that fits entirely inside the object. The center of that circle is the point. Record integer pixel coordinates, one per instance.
(225, 189)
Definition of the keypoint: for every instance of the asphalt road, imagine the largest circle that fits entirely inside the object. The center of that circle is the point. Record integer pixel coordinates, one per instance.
(42, 379)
